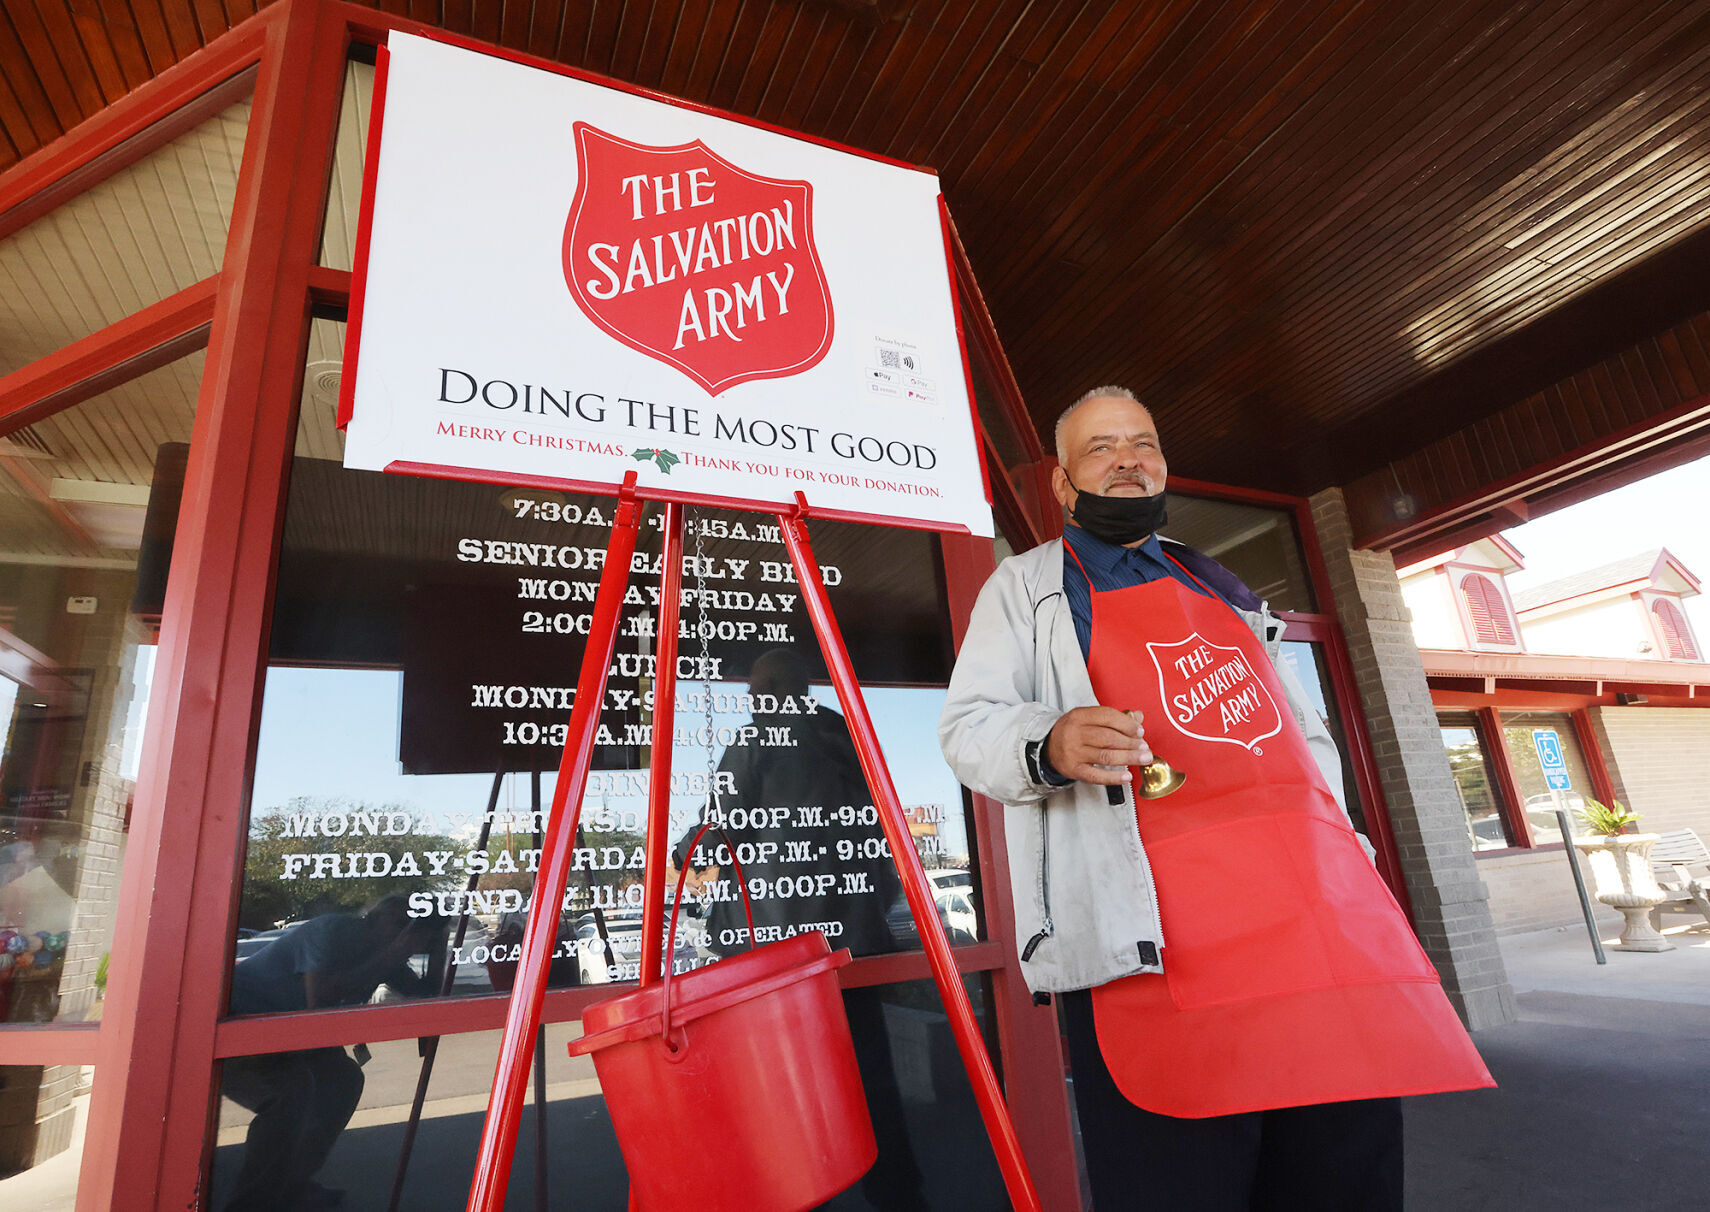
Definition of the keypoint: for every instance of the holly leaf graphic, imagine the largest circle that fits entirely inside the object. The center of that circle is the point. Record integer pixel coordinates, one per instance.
(643, 455)
(666, 460)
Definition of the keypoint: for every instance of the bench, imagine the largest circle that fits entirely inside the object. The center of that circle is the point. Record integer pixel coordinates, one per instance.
(1681, 864)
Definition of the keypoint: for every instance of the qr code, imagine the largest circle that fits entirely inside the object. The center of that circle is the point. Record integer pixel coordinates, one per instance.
(890, 359)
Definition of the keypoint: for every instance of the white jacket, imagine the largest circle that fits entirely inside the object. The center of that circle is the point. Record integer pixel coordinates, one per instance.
(1085, 908)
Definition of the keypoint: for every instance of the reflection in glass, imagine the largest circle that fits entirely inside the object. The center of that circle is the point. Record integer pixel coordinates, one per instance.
(1306, 660)
(339, 959)
(88, 500)
(1257, 543)
(793, 810)
(350, 827)
(426, 642)
(1520, 736)
(344, 188)
(1487, 826)
(996, 424)
(933, 1148)
(42, 1110)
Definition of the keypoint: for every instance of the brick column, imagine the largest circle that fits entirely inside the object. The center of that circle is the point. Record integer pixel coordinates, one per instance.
(1450, 902)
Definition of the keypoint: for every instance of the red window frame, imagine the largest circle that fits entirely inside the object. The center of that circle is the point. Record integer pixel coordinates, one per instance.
(1489, 711)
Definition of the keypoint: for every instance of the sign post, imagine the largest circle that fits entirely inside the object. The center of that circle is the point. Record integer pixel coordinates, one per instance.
(1548, 743)
(1579, 885)
(622, 294)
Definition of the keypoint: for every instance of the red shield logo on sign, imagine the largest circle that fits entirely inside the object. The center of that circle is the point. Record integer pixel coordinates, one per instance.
(1211, 691)
(685, 257)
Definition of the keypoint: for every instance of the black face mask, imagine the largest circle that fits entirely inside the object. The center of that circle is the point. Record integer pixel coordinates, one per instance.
(1119, 520)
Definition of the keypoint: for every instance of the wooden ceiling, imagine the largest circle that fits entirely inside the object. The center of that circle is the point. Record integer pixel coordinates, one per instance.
(1289, 226)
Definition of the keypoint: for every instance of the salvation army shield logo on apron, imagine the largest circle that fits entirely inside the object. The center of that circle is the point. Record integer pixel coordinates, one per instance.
(1211, 692)
(683, 256)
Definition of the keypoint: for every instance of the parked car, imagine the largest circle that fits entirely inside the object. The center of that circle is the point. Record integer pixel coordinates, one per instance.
(955, 911)
(623, 935)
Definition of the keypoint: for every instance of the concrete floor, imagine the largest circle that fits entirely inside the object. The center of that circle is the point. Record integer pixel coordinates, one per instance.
(1604, 1087)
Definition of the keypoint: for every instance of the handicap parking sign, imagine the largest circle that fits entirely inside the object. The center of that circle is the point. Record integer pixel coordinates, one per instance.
(1549, 746)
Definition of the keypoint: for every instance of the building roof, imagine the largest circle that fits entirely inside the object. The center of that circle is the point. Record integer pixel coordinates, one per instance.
(1646, 566)
(1492, 551)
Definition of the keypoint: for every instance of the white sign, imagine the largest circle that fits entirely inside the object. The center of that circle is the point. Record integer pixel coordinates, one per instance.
(560, 282)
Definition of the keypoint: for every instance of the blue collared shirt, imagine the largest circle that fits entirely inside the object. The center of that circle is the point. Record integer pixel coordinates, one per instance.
(1111, 567)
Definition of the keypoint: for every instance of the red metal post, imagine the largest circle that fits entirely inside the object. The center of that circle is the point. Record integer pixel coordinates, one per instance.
(540, 936)
(150, 1111)
(141, 342)
(1595, 765)
(659, 767)
(981, 1077)
(1496, 753)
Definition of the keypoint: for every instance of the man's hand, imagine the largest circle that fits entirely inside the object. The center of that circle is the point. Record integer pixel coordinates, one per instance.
(1097, 745)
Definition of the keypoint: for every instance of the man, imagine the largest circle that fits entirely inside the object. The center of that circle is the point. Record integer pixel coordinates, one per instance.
(1242, 998)
(302, 1100)
(818, 768)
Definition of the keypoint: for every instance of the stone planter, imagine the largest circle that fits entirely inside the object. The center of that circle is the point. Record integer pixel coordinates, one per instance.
(1621, 869)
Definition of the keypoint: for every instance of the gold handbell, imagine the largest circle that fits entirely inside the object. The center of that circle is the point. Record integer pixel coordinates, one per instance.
(1157, 780)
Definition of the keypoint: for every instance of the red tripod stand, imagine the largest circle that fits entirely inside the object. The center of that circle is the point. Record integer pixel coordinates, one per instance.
(522, 1022)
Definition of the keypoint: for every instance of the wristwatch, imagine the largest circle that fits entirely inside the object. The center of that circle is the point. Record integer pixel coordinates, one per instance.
(1039, 768)
(1030, 754)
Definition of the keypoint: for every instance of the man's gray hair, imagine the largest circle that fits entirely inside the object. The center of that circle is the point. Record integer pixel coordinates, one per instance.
(1108, 391)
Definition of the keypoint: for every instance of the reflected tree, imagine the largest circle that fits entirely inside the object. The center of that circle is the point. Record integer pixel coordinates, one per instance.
(332, 855)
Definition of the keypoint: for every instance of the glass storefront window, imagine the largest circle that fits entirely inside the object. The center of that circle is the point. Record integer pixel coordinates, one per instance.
(1306, 660)
(332, 1123)
(425, 646)
(1257, 543)
(86, 520)
(997, 426)
(142, 234)
(350, 146)
(1520, 737)
(1463, 739)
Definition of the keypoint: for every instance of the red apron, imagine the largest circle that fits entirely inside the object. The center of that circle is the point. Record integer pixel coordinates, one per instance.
(1290, 974)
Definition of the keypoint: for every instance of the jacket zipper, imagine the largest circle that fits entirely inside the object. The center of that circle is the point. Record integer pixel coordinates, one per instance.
(1151, 884)
(1048, 928)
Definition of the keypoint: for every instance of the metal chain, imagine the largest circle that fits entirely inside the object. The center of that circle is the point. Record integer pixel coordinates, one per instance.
(704, 628)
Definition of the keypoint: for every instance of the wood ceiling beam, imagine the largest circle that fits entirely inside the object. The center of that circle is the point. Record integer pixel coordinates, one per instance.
(1596, 328)
(121, 134)
(32, 485)
(134, 346)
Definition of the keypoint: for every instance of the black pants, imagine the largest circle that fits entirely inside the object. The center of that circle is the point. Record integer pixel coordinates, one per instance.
(302, 1101)
(1333, 1157)
(893, 1184)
